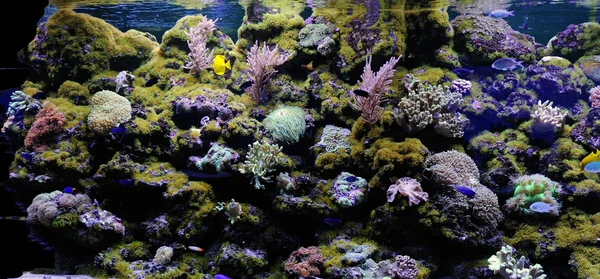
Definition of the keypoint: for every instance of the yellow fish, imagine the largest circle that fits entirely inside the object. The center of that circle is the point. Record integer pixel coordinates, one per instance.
(219, 65)
(593, 157)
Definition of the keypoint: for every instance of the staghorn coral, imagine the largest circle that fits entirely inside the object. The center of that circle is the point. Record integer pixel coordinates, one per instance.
(408, 187)
(376, 85)
(260, 160)
(262, 61)
(199, 58)
(415, 111)
(508, 267)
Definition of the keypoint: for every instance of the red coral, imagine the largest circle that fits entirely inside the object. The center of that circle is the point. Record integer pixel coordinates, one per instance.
(304, 262)
(48, 122)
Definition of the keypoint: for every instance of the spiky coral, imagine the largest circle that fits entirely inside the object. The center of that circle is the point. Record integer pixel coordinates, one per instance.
(199, 57)
(376, 85)
(261, 66)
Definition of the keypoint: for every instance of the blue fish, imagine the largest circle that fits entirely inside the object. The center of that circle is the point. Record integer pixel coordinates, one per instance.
(463, 72)
(333, 221)
(351, 178)
(126, 182)
(26, 156)
(593, 167)
(506, 64)
(221, 276)
(465, 191)
(501, 13)
(525, 25)
(118, 130)
(68, 190)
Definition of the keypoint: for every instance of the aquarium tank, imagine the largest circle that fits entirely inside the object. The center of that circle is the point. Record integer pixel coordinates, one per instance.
(290, 139)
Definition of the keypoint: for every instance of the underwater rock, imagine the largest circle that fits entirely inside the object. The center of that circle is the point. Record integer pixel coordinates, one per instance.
(575, 41)
(485, 39)
(558, 82)
(58, 55)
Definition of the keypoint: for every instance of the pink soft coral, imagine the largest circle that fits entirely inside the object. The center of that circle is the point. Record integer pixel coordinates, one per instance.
(595, 97)
(305, 262)
(48, 122)
(407, 187)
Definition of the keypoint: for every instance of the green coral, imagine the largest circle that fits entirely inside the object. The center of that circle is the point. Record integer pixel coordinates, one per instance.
(262, 157)
(85, 45)
(286, 124)
(75, 92)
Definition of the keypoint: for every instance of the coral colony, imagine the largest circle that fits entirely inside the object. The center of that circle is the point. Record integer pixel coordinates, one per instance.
(356, 143)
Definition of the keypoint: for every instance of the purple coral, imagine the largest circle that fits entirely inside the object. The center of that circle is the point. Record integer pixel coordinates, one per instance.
(404, 267)
(568, 38)
(461, 86)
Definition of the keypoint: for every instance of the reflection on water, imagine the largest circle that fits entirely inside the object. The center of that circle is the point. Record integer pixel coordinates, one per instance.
(545, 18)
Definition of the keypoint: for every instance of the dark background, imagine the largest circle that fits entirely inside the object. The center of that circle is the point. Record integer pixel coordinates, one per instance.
(18, 21)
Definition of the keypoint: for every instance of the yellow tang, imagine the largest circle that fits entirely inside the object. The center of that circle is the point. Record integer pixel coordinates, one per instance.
(593, 157)
(219, 65)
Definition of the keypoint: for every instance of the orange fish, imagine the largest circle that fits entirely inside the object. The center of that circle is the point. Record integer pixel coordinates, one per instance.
(196, 248)
(308, 66)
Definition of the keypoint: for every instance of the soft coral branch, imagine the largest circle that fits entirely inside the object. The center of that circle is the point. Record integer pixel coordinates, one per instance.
(199, 57)
(261, 66)
(376, 85)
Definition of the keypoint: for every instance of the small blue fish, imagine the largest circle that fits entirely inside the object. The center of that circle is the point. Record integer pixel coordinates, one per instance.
(68, 190)
(118, 130)
(333, 221)
(463, 72)
(501, 13)
(542, 207)
(465, 191)
(525, 25)
(221, 276)
(126, 182)
(593, 167)
(351, 178)
(26, 156)
(506, 64)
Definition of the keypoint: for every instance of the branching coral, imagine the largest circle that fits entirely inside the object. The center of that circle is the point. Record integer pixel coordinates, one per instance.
(376, 85)
(548, 115)
(261, 66)
(508, 267)
(408, 187)
(260, 160)
(427, 104)
(198, 57)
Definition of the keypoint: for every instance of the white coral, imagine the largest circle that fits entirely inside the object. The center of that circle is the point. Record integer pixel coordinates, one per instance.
(260, 161)
(546, 114)
(508, 267)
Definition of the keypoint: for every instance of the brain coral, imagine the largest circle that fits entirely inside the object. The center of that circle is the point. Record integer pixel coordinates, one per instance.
(107, 110)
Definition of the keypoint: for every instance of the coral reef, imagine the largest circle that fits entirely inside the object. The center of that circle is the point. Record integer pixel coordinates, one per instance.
(375, 132)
